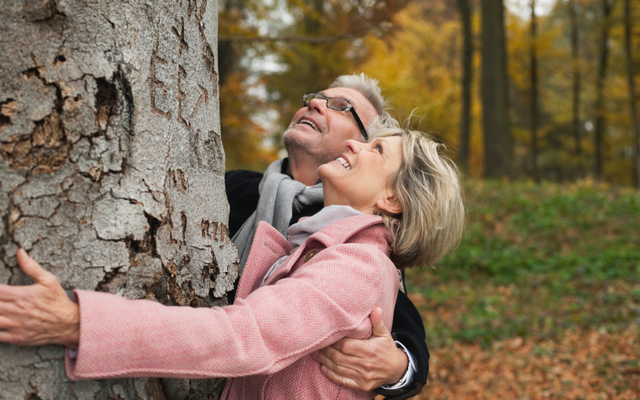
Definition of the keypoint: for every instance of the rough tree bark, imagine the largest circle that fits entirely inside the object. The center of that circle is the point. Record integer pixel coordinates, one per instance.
(498, 147)
(112, 168)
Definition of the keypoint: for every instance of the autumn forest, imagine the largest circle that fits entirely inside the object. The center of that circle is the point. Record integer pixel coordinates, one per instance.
(537, 102)
(524, 89)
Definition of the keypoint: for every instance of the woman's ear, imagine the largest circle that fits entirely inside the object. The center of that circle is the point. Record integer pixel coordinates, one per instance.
(389, 204)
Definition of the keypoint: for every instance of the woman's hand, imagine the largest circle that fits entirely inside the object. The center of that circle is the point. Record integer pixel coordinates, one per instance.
(38, 314)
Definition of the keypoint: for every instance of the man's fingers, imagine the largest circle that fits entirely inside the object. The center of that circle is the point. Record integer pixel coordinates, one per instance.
(332, 356)
(339, 379)
(379, 330)
(336, 362)
(31, 266)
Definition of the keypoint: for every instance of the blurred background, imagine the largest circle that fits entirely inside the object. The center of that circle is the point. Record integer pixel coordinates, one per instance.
(537, 101)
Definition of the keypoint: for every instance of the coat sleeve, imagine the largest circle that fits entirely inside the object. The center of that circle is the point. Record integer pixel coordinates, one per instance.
(408, 329)
(243, 195)
(328, 298)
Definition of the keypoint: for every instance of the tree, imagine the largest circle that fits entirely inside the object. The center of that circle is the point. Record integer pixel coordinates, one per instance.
(575, 78)
(464, 8)
(600, 111)
(533, 73)
(635, 125)
(495, 106)
(112, 168)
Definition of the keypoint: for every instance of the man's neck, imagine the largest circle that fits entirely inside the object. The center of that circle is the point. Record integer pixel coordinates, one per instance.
(305, 172)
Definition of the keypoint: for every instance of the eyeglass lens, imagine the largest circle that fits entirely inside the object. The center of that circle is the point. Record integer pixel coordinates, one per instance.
(332, 102)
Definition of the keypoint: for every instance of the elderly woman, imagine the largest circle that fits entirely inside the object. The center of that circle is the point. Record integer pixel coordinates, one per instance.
(394, 200)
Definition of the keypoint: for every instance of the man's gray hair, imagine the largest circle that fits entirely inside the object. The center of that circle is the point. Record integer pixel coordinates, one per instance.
(370, 89)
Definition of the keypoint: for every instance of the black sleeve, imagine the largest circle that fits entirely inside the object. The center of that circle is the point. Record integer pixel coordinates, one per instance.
(408, 329)
(242, 193)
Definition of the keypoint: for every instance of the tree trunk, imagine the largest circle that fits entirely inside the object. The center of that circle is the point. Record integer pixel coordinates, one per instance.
(635, 125)
(575, 84)
(533, 73)
(598, 135)
(112, 168)
(498, 149)
(467, 79)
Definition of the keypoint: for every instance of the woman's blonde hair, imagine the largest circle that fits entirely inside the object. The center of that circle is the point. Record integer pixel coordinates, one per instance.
(429, 191)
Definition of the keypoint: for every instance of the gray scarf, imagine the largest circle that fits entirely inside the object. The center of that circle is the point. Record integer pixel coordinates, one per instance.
(280, 197)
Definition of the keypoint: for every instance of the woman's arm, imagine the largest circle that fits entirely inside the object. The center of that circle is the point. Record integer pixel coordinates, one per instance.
(37, 314)
(261, 334)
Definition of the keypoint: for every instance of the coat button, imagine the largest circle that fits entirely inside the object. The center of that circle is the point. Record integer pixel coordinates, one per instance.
(310, 255)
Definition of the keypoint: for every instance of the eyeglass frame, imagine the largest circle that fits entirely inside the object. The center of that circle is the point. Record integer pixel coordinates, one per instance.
(350, 107)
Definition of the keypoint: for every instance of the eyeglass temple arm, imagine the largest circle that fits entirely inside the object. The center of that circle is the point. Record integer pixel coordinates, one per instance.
(360, 124)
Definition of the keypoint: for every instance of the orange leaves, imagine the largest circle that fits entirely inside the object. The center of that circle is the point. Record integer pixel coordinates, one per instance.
(588, 365)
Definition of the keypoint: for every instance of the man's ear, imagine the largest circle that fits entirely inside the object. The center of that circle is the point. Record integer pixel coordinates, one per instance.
(389, 204)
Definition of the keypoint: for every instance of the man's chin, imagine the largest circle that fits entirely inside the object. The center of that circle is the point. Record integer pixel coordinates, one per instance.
(299, 137)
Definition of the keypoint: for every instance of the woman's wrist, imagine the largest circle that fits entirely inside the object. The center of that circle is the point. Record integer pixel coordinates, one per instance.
(70, 335)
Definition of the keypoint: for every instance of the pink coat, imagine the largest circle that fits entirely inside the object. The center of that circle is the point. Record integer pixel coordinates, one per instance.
(264, 340)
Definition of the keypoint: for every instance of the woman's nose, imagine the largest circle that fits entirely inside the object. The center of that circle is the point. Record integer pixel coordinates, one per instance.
(353, 146)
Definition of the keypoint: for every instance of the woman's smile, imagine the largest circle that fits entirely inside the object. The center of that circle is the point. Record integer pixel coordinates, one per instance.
(344, 161)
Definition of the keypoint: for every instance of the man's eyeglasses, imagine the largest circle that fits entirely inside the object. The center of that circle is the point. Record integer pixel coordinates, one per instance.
(338, 104)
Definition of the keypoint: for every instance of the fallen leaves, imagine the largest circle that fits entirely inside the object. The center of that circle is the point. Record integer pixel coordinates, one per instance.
(582, 365)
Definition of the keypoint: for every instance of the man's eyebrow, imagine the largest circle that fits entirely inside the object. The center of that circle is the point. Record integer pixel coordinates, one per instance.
(338, 97)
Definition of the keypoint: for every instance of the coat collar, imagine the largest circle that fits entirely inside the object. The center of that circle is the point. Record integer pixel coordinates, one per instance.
(269, 245)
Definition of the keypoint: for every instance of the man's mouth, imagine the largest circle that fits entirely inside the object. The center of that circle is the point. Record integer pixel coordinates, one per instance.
(310, 123)
(344, 162)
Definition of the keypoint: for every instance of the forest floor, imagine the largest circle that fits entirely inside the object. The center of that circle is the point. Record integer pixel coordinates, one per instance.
(542, 298)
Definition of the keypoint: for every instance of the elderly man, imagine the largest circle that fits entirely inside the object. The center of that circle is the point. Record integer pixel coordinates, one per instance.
(289, 190)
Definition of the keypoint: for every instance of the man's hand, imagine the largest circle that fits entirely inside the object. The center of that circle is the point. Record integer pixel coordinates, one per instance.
(364, 364)
(38, 314)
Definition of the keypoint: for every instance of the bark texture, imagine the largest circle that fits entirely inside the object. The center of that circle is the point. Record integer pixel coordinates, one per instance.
(111, 168)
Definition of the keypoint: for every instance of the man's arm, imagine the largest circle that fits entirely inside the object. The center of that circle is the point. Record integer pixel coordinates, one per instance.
(243, 195)
(364, 364)
(369, 364)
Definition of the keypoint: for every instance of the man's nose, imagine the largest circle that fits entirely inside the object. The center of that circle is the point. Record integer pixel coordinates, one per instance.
(318, 105)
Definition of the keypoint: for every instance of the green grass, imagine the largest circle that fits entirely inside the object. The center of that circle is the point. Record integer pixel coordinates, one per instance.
(536, 259)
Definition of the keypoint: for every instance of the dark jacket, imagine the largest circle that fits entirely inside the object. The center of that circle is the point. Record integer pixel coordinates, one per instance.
(243, 195)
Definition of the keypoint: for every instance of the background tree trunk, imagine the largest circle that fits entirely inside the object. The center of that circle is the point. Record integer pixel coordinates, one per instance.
(533, 75)
(112, 168)
(633, 114)
(498, 149)
(464, 7)
(575, 78)
(603, 58)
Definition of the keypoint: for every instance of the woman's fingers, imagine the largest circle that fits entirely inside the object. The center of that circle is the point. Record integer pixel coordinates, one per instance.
(37, 314)
(31, 267)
